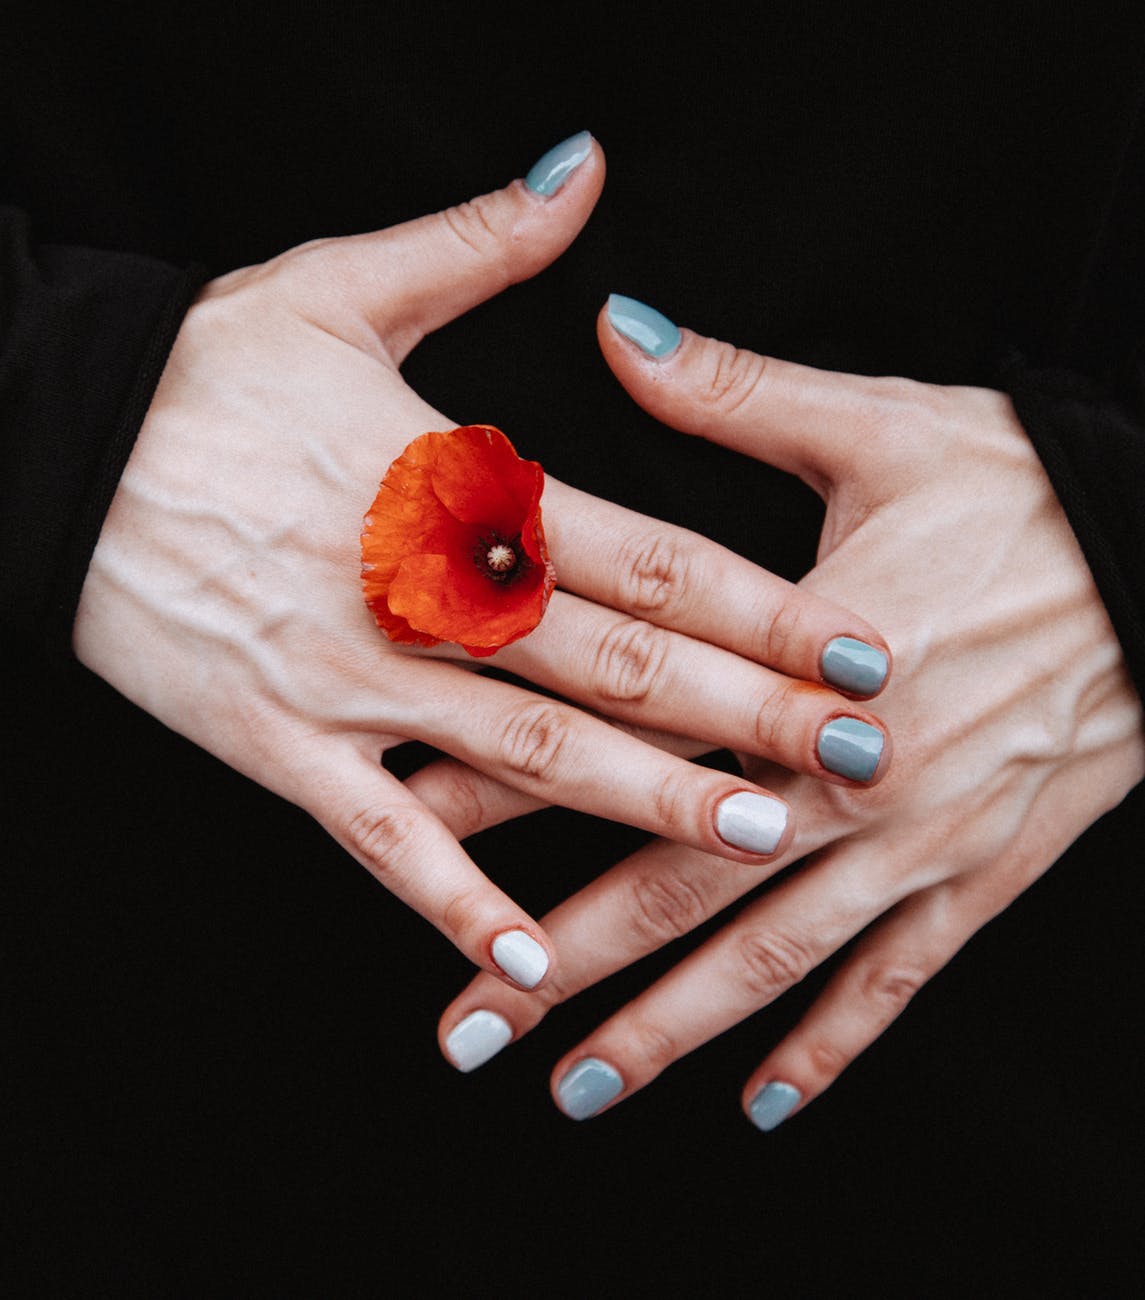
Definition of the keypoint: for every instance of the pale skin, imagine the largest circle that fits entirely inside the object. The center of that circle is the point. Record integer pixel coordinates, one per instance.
(1015, 720)
(223, 596)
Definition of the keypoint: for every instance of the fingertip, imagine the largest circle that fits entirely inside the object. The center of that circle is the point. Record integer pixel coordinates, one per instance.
(520, 958)
(755, 822)
(474, 1039)
(579, 159)
(856, 666)
(857, 749)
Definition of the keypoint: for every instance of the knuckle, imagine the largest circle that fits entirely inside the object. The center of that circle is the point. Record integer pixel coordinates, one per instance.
(630, 662)
(771, 961)
(459, 915)
(890, 986)
(783, 631)
(663, 907)
(462, 805)
(556, 989)
(827, 1059)
(475, 225)
(653, 1045)
(383, 836)
(672, 799)
(771, 718)
(653, 574)
(734, 377)
(533, 740)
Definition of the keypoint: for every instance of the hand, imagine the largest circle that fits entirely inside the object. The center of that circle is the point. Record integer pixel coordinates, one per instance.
(1016, 727)
(224, 594)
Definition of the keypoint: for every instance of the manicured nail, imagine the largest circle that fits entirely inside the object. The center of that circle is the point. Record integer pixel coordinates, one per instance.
(588, 1087)
(645, 326)
(752, 822)
(772, 1104)
(851, 748)
(521, 958)
(552, 169)
(853, 665)
(477, 1039)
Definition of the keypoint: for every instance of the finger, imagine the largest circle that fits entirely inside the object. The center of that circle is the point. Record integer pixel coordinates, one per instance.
(468, 801)
(411, 279)
(559, 754)
(818, 424)
(658, 894)
(373, 816)
(637, 672)
(677, 579)
(770, 947)
(869, 991)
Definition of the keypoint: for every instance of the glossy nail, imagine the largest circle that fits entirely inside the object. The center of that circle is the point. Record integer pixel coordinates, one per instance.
(851, 748)
(588, 1087)
(521, 958)
(752, 822)
(552, 169)
(854, 666)
(651, 331)
(477, 1039)
(772, 1104)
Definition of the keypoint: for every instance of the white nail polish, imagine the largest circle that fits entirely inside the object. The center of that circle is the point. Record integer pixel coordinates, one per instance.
(477, 1039)
(752, 822)
(521, 958)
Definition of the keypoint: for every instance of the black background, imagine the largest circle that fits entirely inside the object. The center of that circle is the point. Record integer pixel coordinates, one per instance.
(223, 1030)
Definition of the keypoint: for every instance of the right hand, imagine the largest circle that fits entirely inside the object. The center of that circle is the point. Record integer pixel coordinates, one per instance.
(224, 595)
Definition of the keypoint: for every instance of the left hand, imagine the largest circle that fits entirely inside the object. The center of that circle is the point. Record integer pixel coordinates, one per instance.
(1016, 723)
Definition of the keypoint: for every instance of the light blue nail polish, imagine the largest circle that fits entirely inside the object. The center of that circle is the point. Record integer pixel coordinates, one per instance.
(644, 325)
(552, 169)
(588, 1086)
(854, 666)
(772, 1104)
(850, 748)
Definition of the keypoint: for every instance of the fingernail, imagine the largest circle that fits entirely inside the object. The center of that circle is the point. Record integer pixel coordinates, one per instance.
(521, 958)
(645, 326)
(588, 1087)
(477, 1039)
(852, 665)
(552, 169)
(752, 822)
(772, 1104)
(851, 748)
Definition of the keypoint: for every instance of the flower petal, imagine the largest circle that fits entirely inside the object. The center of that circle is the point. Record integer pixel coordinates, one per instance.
(480, 479)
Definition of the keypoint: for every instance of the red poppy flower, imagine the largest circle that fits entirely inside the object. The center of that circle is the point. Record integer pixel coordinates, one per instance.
(453, 548)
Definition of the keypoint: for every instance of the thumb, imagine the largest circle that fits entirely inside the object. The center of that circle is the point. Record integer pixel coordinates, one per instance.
(821, 425)
(411, 279)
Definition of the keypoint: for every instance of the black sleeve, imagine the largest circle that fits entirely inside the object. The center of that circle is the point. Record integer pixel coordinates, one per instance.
(84, 337)
(1090, 436)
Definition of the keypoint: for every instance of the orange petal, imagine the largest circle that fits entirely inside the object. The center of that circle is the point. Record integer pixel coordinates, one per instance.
(480, 479)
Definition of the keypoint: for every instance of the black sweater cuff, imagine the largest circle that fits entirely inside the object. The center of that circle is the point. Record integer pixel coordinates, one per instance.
(1091, 440)
(84, 337)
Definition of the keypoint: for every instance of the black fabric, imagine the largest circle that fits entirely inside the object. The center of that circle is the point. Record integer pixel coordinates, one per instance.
(227, 1080)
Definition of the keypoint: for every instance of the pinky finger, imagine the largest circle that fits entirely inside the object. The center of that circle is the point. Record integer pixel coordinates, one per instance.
(869, 991)
(406, 847)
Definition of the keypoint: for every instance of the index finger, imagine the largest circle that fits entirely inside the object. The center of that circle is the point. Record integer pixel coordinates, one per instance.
(680, 580)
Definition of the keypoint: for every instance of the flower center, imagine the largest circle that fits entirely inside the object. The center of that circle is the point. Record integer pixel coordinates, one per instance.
(500, 559)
